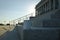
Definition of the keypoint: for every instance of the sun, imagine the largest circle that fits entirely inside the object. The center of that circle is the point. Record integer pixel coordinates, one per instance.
(31, 9)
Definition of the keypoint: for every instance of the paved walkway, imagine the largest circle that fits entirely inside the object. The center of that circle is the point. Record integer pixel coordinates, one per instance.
(13, 35)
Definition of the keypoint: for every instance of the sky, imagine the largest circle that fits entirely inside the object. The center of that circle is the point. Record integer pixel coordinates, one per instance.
(13, 9)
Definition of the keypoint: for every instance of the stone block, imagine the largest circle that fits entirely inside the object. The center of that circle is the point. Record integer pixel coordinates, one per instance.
(27, 24)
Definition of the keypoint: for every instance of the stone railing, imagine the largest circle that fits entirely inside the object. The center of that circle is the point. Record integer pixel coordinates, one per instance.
(21, 19)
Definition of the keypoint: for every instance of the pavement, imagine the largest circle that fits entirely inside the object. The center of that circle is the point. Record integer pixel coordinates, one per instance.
(11, 35)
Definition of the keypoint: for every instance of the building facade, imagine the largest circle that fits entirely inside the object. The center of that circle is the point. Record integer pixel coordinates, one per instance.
(45, 25)
(45, 6)
(47, 14)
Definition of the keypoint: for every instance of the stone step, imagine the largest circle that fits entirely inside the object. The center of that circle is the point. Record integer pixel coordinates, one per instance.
(51, 23)
(56, 15)
(46, 23)
(41, 34)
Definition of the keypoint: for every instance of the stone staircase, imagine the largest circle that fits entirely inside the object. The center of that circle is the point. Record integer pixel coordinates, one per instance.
(44, 27)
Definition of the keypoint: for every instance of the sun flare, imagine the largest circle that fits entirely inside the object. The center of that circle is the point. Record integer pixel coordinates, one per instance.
(31, 9)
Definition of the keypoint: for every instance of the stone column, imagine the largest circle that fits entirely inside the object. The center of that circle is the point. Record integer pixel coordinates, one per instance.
(59, 3)
(45, 7)
(36, 13)
(49, 4)
(53, 4)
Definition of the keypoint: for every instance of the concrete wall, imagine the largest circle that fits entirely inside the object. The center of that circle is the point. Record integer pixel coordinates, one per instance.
(27, 24)
(20, 31)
